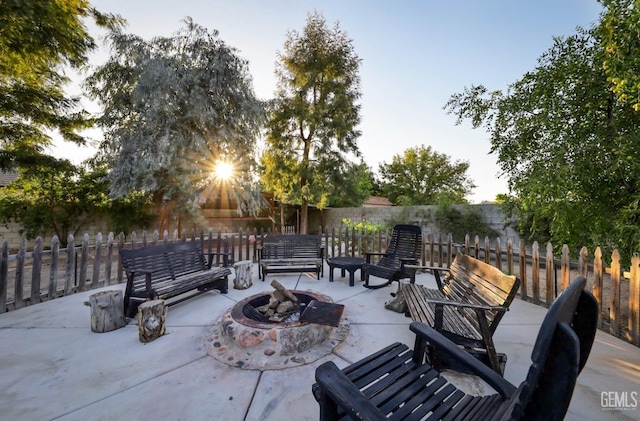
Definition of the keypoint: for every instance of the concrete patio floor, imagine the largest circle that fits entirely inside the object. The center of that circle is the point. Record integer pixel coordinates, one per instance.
(53, 367)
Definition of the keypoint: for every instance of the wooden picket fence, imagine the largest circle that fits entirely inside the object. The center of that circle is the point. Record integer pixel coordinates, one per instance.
(40, 274)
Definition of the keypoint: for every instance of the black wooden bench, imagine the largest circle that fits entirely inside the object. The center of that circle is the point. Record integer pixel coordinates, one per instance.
(467, 306)
(396, 384)
(167, 271)
(291, 253)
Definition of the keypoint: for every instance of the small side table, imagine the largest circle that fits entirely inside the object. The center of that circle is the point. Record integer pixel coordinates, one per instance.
(350, 264)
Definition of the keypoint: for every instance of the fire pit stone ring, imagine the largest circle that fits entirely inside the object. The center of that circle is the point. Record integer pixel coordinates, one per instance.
(241, 341)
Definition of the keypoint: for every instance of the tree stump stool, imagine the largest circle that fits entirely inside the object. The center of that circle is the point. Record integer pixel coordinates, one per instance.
(244, 274)
(152, 317)
(107, 311)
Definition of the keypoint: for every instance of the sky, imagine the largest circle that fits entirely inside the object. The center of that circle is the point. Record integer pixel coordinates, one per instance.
(415, 54)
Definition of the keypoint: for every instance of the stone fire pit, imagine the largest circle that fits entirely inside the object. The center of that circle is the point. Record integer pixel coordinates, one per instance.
(241, 341)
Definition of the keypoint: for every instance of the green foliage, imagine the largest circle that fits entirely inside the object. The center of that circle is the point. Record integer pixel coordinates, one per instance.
(422, 176)
(61, 198)
(459, 223)
(313, 119)
(39, 38)
(363, 226)
(353, 187)
(173, 108)
(567, 146)
(618, 32)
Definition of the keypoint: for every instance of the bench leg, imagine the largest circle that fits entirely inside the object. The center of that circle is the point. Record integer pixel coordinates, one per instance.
(488, 341)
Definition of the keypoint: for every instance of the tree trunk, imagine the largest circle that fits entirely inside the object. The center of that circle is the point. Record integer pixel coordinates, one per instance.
(107, 311)
(303, 217)
(152, 316)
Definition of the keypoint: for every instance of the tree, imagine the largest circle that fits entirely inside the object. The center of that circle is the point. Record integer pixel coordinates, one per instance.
(38, 38)
(353, 187)
(619, 33)
(313, 119)
(174, 108)
(422, 176)
(567, 146)
(63, 198)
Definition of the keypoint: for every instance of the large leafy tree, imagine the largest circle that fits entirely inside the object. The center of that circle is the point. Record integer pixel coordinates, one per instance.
(174, 108)
(422, 176)
(39, 39)
(313, 119)
(619, 34)
(63, 198)
(567, 146)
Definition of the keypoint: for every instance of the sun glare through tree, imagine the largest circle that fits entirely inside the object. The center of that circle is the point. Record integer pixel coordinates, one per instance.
(223, 170)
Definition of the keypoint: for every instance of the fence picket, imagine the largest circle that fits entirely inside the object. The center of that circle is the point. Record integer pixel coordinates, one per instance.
(438, 250)
(53, 272)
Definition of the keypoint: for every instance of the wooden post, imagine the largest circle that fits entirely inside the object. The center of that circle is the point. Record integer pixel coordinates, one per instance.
(152, 316)
(244, 276)
(107, 311)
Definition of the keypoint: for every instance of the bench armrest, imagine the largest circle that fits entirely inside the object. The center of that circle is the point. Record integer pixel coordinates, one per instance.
(435, 269)
(339, 389)
(426, 333)
(466, 305)
(141, 271)
(212, 254)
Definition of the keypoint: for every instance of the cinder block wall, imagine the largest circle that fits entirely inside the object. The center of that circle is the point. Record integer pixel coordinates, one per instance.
(418, 215)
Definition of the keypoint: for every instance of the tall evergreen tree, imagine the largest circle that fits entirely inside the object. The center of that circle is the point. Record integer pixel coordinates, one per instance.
(313, 120)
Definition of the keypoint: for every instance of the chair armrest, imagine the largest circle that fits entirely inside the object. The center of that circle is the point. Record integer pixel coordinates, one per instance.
(368, 255)
(335, 384)
(437, 340)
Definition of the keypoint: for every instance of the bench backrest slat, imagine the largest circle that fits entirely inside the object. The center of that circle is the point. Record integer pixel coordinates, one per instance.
(168, 261)
(292, 246)
(477, 282)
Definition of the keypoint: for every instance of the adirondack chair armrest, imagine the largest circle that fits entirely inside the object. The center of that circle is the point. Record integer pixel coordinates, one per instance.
(368, 255)
(405, 265)
(426, 334)
(335, 384)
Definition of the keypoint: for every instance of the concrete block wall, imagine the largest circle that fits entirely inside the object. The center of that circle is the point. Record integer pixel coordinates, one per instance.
(418, 215)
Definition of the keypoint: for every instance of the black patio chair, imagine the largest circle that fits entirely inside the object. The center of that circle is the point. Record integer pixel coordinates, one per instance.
(395, 383)
(405, 247)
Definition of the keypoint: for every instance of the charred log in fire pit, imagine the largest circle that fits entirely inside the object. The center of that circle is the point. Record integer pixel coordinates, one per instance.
(282, 304)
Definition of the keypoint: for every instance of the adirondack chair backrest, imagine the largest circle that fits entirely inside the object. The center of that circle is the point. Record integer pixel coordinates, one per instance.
(405, 242)
(559, 354)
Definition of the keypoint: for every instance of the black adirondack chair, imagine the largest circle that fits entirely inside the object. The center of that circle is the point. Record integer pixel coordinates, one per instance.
(405, 247)
(394, 383)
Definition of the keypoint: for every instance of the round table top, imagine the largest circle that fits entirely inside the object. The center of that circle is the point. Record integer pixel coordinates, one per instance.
(346, 260)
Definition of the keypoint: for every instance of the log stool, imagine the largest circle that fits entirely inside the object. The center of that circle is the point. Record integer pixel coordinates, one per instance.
(107, 311)
(244, 274)
(152, 318)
